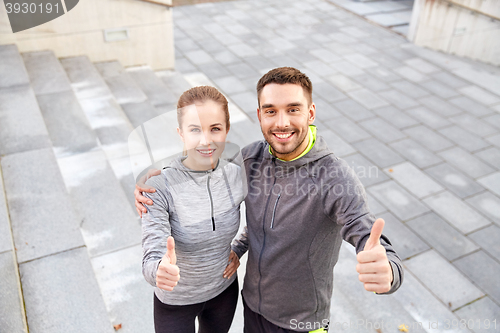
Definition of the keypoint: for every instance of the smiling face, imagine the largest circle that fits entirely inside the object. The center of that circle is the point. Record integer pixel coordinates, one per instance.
(203, 131)
(285, 115)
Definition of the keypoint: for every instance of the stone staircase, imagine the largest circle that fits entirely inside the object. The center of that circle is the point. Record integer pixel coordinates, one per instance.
(70, 239)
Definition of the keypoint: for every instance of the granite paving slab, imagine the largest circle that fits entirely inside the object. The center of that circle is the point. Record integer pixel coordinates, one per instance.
(481, 315)
(443, 238)
(487, 204)
(443, 279)
(39, 227)
(378, 152)
(456, 212)
(454, 180)
(399, 201)
(466, 162)
(45, 72)
(5, 229)
(415, 153)
(491, 182)
(367, 172)
(50, 294)
(413, 179)
(12, 315)
(428, 138)
(12, 67)
(488, 239)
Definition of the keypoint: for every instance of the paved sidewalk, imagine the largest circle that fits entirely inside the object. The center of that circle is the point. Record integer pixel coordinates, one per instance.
(421, 129)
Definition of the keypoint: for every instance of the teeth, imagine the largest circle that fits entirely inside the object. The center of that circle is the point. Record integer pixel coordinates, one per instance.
(206, 151)
(283, 136)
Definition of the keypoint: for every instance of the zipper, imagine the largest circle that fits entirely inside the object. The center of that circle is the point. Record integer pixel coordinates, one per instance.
(264, 240)
(274, 210)
(211, 203)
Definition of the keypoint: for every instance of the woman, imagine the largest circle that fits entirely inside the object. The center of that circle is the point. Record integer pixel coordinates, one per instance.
(196, 207)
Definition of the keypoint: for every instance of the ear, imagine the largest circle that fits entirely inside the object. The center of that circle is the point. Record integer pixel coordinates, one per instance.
(258, 114)
(179, 131)
(312, 113)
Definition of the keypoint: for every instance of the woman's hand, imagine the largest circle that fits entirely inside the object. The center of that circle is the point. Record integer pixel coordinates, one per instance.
(140, 187)
(167, 274)
(232, 266)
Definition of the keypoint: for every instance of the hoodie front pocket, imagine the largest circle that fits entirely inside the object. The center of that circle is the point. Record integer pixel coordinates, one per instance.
(274, 210)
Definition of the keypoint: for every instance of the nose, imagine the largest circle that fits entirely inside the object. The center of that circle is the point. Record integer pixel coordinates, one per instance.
(282, 120)
(205, 139)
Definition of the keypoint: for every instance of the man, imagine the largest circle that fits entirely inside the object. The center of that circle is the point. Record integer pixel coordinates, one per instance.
(302, 201)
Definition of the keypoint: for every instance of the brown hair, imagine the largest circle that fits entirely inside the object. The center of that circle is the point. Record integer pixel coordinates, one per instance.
(283, 75)
(201, 94)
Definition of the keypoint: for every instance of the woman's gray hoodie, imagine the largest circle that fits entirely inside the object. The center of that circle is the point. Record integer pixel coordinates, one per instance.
(201, 210)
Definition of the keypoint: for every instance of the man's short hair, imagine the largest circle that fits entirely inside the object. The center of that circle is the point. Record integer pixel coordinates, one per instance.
(283, 75)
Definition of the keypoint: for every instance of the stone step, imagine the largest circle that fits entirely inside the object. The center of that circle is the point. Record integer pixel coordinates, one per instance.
(12, 315)
(175, 81)
(62, 295)
(127, 92)
(66, 123)
(108, 222)
(158, 94)
(12, 67)
(105, 116)
(59, 286)
(19, 131)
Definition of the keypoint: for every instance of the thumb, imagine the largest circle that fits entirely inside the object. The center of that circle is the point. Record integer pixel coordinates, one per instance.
(375, 234)
(171, 250)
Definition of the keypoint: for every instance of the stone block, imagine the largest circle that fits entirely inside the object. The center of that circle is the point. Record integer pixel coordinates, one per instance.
(395, 116)
(456, 212)
(454, 180)
(399, 99)
(472, 107)
(12, 315)
(443, 280)
(421, 65)
(52, 285)
(108, 222)
(335, 143)
(415, 153)
(411, 74)
(68, 127)
(347, 68)
(382, 130)
(230, 85)
(399, 201)
(443, 238)
(12, 67)
(347, 130)
(5, 230)
(488, 204)
(466, 162)
(45, 72)
(152, 86)
(449, 79)
(463, 138)
(368, 99)
(42, 216)
(480, 95)
(243, 50)
(483, 271)
(378, 152)
(429, 118)
(439, 89)
(491, 182)
(428, 138)
(413, 179)
(120, 83)
(354, 110)
(439, 106)
(371, 83)
(481, 315)
(327, 92)
(474, 125)
(343, 82)
(128, 297)
(488, 239)
(21, 132)
(367, 172)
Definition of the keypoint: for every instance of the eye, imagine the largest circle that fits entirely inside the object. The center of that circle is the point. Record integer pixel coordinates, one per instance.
(195, 130)
(294, 110)
(269, 111)
(216, 129)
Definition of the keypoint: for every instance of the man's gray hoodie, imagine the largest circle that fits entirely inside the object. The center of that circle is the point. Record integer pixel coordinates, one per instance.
(201, 210)
(297, 214)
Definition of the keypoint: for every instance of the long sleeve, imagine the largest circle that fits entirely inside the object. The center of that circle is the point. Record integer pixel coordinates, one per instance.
(345, 204)
(240, 244)
(155, 231)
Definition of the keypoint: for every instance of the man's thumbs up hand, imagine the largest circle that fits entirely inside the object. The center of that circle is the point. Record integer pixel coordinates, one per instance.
(373, 266)
(167, 274)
